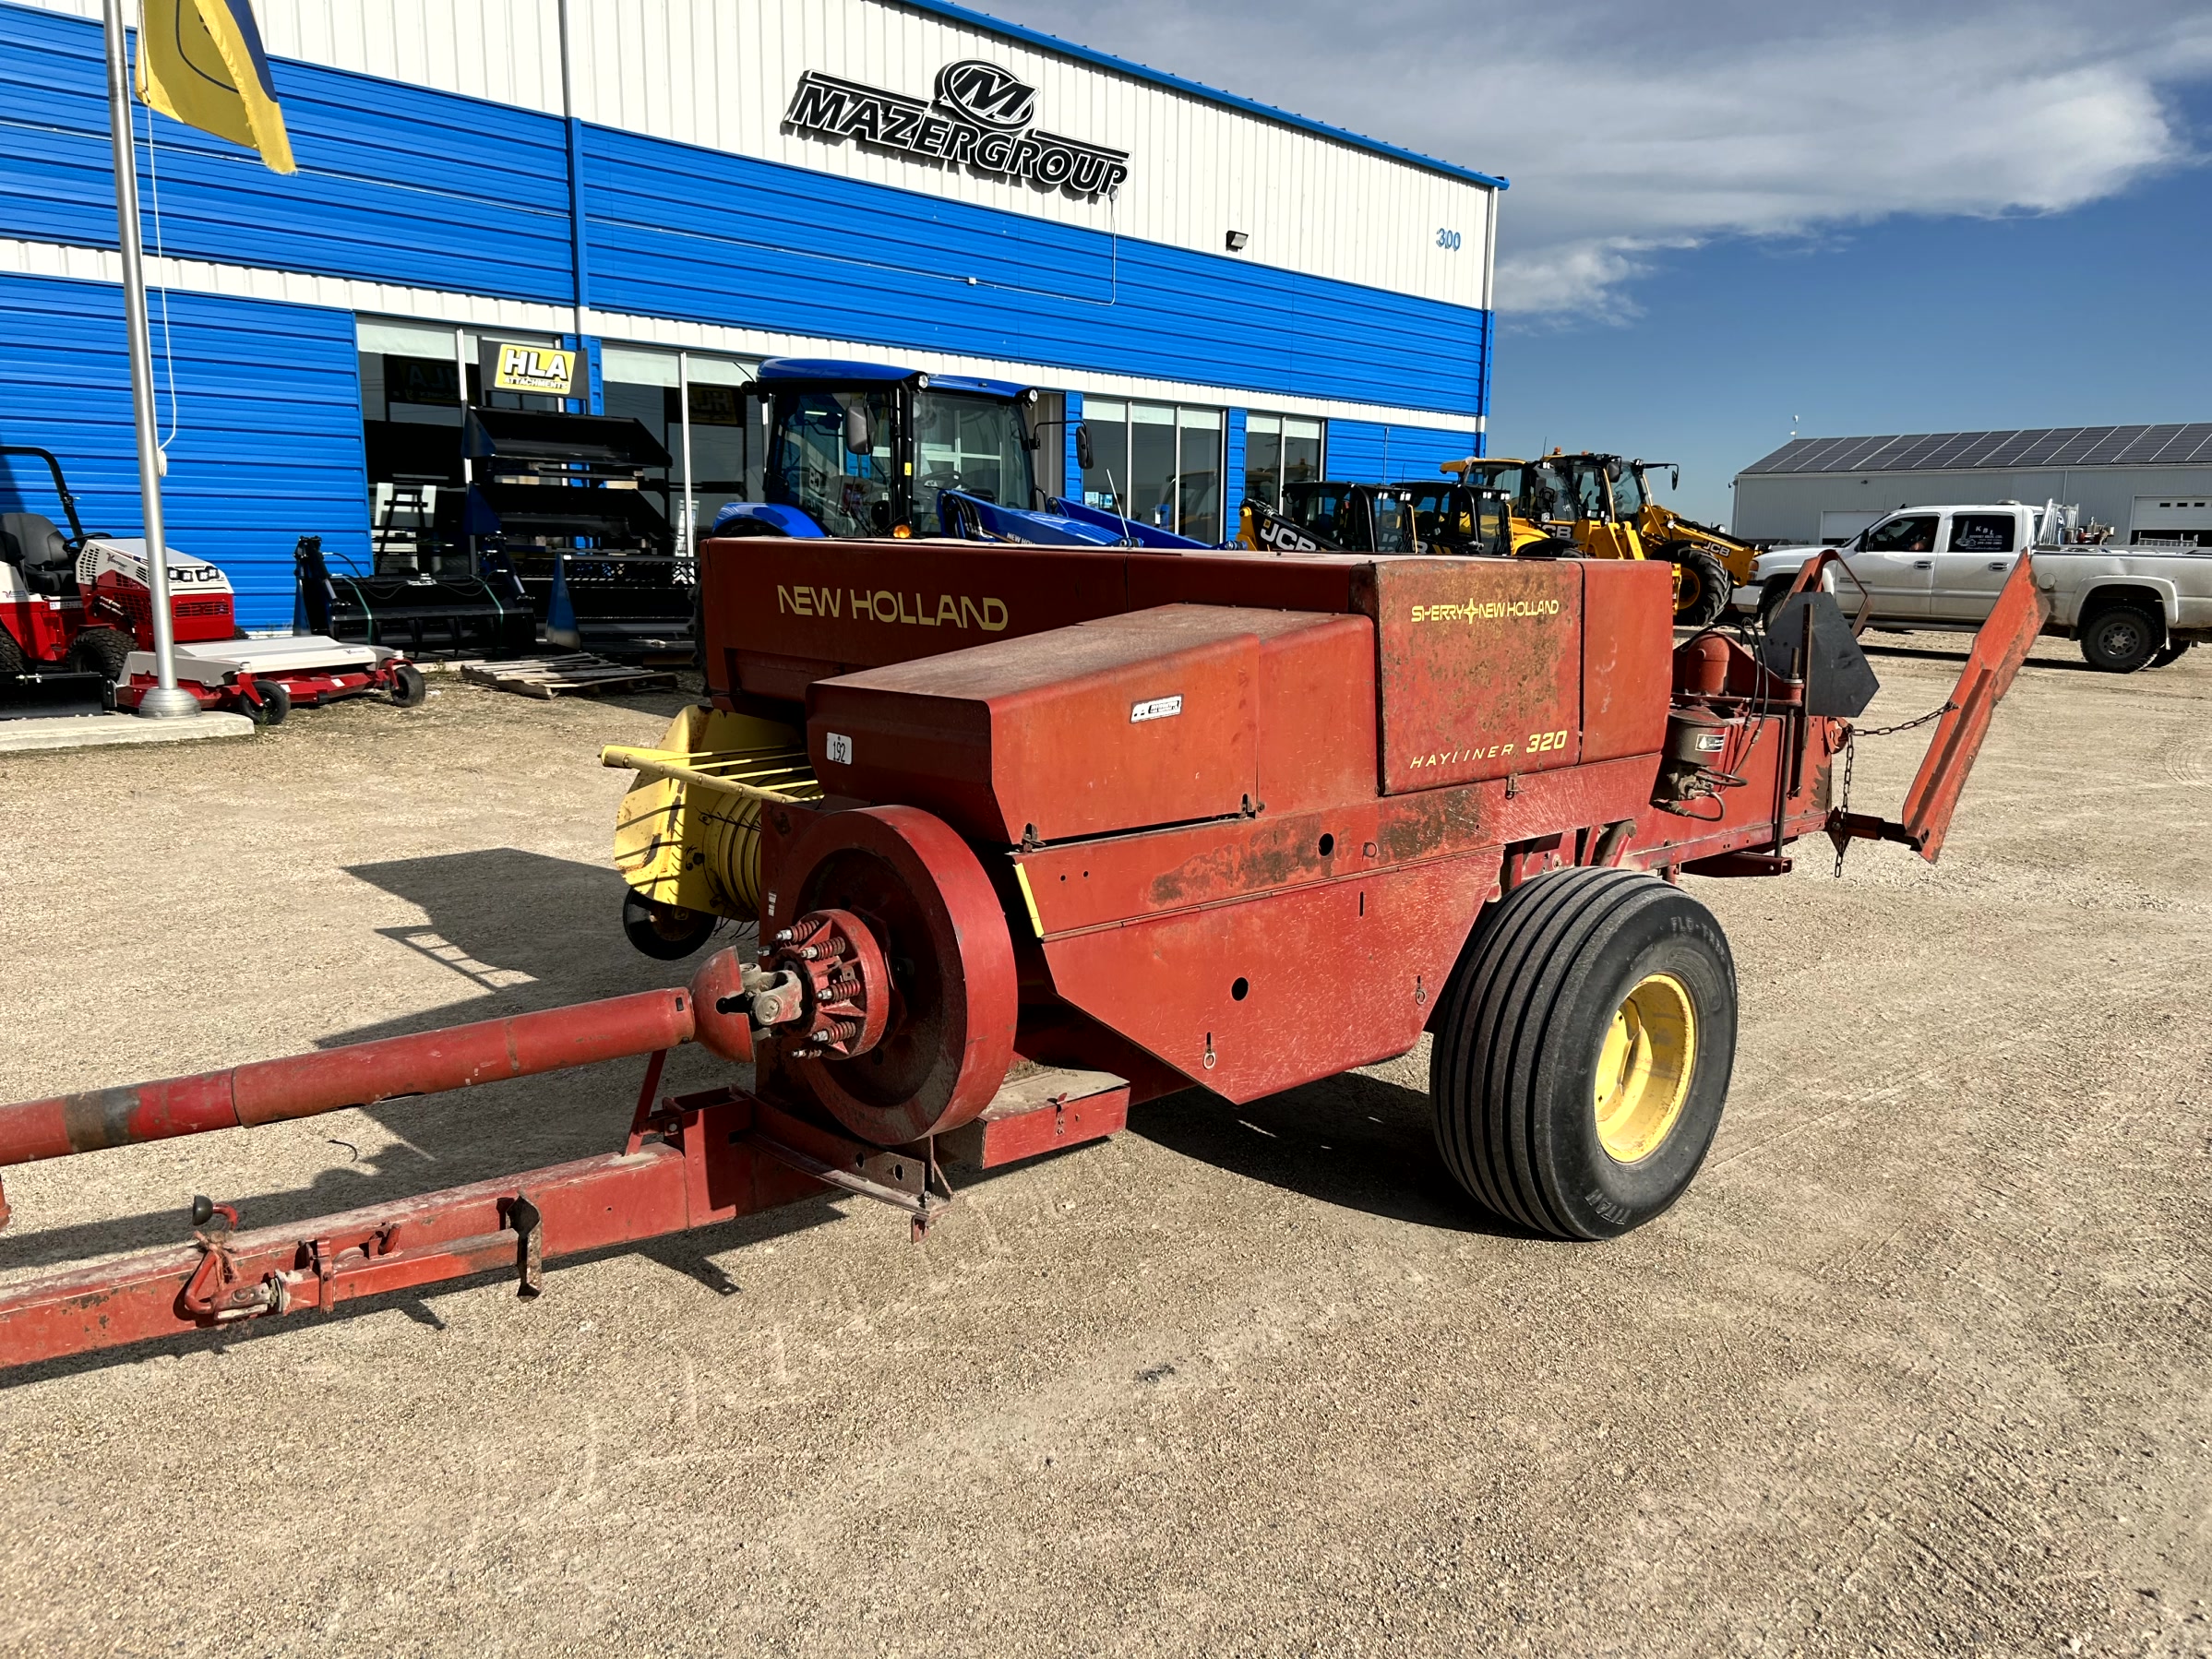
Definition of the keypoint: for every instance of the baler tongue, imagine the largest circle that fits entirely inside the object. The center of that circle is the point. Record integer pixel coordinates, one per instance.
(2000, 646)
(823, 987)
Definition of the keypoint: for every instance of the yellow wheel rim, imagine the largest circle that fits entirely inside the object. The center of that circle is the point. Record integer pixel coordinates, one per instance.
(1643, 1069)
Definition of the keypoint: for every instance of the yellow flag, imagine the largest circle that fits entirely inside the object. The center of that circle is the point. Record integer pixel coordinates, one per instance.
(201, 62)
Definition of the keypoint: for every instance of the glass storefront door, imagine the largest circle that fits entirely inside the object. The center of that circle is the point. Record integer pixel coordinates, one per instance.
(1157, 463)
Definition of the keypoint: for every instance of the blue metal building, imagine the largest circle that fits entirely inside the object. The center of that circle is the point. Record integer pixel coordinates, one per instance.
(1228, 294)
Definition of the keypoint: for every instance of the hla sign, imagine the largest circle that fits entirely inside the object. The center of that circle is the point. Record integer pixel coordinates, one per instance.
(980, 117)
(549, 371)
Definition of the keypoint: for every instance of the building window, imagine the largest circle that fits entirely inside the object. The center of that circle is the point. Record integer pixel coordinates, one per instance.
(1279, 450)
(642, 382)
(1156, 462)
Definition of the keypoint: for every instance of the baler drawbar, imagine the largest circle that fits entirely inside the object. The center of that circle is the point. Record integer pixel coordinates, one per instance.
(1121, 823)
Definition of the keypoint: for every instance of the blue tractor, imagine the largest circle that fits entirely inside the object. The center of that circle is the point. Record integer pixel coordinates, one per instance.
(870, 449)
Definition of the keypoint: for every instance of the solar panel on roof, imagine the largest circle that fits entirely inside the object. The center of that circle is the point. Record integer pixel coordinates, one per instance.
(2171, 443)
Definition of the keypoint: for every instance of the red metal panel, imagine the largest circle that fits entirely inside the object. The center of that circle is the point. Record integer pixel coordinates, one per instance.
(1096, 884)
(1317, 714)
(1146, 718)
(1627, 656)
(1325, 583)
(1262, 995)
(1481, 668)
(783, 612)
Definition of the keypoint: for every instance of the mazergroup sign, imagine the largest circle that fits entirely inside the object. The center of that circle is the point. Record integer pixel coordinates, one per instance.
(981, 117)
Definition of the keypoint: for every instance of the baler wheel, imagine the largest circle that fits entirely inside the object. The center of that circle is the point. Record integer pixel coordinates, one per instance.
(1582, 1052)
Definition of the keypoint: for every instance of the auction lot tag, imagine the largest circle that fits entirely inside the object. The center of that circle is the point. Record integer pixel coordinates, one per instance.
(1159, 708)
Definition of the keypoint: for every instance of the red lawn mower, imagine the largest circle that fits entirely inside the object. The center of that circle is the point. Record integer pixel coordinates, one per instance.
(81, 604)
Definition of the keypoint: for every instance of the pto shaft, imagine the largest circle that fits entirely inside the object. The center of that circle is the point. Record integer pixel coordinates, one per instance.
(363, 1073)
(358, 1075)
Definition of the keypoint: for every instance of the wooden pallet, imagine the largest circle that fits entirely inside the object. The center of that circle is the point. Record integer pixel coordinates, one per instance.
(566, 676)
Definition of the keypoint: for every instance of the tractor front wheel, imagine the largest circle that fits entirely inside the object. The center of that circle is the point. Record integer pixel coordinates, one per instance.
(1583, 1050)
(102, 651)
(1702, 587)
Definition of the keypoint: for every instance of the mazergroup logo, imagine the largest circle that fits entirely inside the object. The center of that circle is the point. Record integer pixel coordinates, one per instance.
(986, 94)
(981, 116)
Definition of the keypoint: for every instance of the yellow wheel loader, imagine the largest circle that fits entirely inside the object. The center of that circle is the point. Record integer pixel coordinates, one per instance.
(1669, 535)
(1596, 504)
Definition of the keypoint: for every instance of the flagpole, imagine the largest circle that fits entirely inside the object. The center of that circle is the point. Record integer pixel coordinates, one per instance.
(166, 698)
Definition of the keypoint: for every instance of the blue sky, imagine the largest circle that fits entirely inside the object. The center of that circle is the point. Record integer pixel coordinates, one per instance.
(1728, 213)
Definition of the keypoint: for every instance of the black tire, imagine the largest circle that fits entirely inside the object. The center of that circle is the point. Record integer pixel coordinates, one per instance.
(102, 651)
(12, 660)
(1772, 593)
(2172, 652)
(1528, 1016)
(1702, 588)
(667, 932)
(410, 689)
(2122, 640)
(271, 706)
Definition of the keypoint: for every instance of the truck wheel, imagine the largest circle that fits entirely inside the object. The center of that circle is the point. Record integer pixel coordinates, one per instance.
(409, 688)
(2122, 640)
(2172, 652)
(1772, 593)
(1583, 1051)
(100, 650)
(1702, 587)
(667, 932)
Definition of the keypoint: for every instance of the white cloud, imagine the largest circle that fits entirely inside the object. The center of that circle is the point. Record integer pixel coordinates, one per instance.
(1628, 128)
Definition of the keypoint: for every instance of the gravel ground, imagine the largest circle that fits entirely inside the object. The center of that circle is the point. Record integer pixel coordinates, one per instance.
(1920, 1365)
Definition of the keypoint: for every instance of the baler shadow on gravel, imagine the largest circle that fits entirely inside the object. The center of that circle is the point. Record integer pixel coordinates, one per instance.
(1045, 832)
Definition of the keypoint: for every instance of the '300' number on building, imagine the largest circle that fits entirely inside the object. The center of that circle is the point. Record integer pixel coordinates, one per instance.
(1447, 241)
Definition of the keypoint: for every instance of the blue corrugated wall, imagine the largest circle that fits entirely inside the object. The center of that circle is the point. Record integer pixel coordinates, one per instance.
(396, 184)
(1365, 452)
(434, 190)
(268, 445)
(713, 238)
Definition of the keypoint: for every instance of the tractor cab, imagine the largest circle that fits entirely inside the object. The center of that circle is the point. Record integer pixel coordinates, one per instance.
(1453, 517)
(1353, 518)
(859, 449)
(1537, 495)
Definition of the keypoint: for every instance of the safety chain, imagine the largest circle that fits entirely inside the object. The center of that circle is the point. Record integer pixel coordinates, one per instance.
(1851, 737)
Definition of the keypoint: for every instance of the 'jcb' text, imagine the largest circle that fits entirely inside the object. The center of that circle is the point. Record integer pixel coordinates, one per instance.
(915, 610)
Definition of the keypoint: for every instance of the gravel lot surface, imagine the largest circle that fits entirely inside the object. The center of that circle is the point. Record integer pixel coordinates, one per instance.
(1920, 1365)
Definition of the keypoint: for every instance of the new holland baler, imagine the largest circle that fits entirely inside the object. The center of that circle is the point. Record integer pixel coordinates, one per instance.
(1034, 835)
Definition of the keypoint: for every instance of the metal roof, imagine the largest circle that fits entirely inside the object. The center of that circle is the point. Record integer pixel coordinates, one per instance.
(2168, 445)
(1176, 83)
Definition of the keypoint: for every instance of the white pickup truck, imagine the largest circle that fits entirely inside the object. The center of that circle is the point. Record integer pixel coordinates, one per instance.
(1940, 568)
